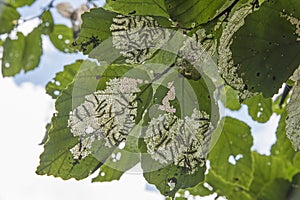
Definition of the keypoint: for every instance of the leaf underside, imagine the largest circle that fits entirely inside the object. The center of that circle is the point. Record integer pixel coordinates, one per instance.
(267, 53)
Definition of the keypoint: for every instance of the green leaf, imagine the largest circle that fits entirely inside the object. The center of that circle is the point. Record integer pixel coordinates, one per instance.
(272, 172)
(276, 107)
(294, 192)
(168, 179)
(265, 49)
(202, 88)
(106, 53)
(57, 159)
(162, 57)
(108, 174)
(267, 171)
(91, 77)
(230, 98)
(96, 31)
(259, 108)
(166, 56)
(195, 12)
(8, 18)
(62, 37)
(283, 147)
(227, 188)
(129, 156)
(33, 50)
(144, 100)
(63, 79)
(199, 190)
(190, 94)
(112, 71)
(44, 140)
(96, 24)
(138, 7)
(13, 55)
(296, 160)
(277, 189)
(234, 142)
(271, 176)
(113, 168)
(47, 23)
(22, 53)
(18, 3)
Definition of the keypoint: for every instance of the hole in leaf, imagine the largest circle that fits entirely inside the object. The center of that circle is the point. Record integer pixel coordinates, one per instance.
(56, 92)
(209, 187)
(7, 65)
(122, 145)
(186, 194)
(172, 183)
(259, 114)
(239, 156)
(232, 160)
(118, 156)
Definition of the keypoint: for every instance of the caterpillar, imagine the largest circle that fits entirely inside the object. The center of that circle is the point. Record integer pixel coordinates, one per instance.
(184, 142)
(195, 51)
(107, 114)
(138, 37)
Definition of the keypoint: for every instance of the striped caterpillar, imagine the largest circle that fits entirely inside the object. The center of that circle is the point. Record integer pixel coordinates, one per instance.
(182, 141)
(105, 114)
(138, 37)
